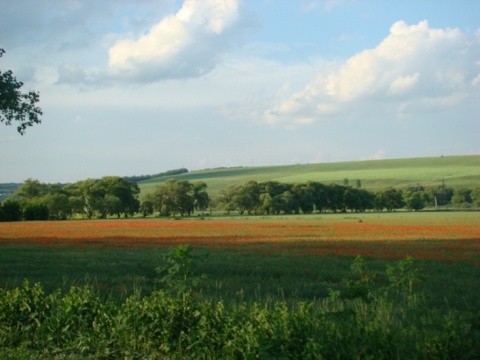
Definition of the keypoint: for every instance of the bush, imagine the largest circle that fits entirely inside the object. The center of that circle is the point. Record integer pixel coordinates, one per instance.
(12, 210)
(365, 321)
(36, 211)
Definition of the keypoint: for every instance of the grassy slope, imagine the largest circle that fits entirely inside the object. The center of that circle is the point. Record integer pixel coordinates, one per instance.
(375, 174)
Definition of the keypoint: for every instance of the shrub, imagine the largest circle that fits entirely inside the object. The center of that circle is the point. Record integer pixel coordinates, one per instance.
(365, 321)
(12, 210)
(35, 211)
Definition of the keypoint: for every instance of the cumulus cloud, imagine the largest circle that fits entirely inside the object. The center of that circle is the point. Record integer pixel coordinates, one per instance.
(64, 25)
(189, 43)
(422, 64)
(378, 155)
(402, 83)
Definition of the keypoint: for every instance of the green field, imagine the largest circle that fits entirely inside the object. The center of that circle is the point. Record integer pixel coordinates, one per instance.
(454, 171)
(105, 293)
(257, 269)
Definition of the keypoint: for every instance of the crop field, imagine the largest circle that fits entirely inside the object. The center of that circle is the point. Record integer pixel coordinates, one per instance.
(256, 256)
(261, 287)
(454, 171)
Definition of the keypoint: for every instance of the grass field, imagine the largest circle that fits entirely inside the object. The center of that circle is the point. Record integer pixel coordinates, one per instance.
(454, 171)
(263, 287)
(300, 257)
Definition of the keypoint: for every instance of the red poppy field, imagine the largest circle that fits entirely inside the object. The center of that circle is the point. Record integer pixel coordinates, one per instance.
(446, 237)
(296, 257)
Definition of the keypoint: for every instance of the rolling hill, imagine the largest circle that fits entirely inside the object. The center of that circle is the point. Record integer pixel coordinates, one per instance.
(454, 171)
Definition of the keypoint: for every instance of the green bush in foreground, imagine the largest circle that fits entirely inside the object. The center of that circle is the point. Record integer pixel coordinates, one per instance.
(362, 321)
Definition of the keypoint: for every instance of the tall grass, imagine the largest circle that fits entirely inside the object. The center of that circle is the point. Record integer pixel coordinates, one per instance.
(363, 320)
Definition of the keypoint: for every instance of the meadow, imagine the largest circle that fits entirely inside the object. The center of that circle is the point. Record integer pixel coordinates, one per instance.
(248, 271)
(257, 256)
(453, 171)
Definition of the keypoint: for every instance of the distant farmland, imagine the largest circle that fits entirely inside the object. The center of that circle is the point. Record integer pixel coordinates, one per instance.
(454, 171)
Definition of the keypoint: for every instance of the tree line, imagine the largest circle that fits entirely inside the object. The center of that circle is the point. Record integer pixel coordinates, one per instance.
(274, 197)
(137, 178)
(115, 196)
(91, 198)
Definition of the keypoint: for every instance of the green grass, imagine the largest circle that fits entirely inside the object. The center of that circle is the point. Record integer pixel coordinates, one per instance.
(455, 171)
(252, 304)
(231, 275)
(362, 321)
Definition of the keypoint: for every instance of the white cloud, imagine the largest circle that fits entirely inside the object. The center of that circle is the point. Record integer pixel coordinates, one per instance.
(378, 155)
(476, 81)
(403, 83)
(189, 43)
(427, 65)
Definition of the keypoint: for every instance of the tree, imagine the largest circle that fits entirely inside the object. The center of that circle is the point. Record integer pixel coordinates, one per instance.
(379, 201)
(358, 183)
(440, 195)
(319, 193)
(287, 202)
(31, 189)
(225, 199)
(36, 210)
(15, 105)
(335, 197)
(462, 197)
(59, 206)
(200, 196)
(175, 196)
(266, 202)
(147, 205)
(91, 192)
(389, 198)
(12, 211)
(304, 198)
(475, 195)
(247, 197)
(125, 192)
(416, 197)
(184, 200)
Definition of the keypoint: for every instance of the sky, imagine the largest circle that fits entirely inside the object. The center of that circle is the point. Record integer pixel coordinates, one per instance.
(137, 87)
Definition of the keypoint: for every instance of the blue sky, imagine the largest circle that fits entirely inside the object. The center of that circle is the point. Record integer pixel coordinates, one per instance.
(132, 87)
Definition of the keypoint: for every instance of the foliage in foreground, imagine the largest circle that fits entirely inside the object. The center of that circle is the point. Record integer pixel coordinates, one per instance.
(361, 321)
(15, 105)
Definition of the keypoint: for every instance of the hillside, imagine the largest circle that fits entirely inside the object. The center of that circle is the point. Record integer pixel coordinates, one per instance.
(455, 171)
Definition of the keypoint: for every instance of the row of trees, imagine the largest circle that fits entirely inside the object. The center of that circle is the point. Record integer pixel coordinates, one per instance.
(91, 198)
(274, 198)
(114, 196)
(176, 197)
(168, 173)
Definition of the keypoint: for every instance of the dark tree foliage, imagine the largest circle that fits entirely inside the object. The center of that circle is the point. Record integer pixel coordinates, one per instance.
(110, 195)
(416, 197)
(273, 197)
(11, 210)
(36, 211)
(137, 178)
(175, 197)
(115, 196)
(16, 106)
